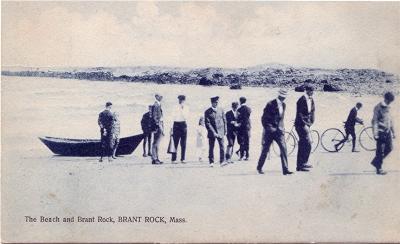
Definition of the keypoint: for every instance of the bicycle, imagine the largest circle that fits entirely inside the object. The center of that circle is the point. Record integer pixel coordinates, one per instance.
(292, 140)
(333, 136)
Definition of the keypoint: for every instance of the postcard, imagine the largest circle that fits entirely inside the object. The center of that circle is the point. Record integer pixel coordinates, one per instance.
(200, 122)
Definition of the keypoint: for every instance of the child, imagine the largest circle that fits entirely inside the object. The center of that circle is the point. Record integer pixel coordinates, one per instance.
(201, 139)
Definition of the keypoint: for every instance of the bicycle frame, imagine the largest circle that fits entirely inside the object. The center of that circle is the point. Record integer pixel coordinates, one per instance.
(294, 133)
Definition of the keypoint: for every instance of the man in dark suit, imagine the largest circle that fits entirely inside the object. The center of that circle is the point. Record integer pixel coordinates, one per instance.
(232, 126)
(158, 120)
(105, 121)
(244, 129)
(274, 130)
(305, 111)
(216, 130)
(147, 128)
(349, 125)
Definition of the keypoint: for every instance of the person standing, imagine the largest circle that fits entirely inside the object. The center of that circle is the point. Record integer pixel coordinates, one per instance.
(382, 125)
(305, 110)
(244, 129)
(179, 128)
(216, 130)
(147, 124)
(349, 127)
(232, 130)
(116, 131)
(201, 139)
(105, 122)
(274, 130)
(158, 120)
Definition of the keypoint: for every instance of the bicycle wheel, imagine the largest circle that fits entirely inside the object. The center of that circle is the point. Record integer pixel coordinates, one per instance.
(314, 140)
(330, 138)
(367, 140)
(290, 145)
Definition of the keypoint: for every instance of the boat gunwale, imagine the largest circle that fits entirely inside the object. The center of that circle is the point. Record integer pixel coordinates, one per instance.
(69, 140)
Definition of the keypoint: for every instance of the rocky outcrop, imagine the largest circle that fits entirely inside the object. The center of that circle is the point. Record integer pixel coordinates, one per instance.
(274, 75)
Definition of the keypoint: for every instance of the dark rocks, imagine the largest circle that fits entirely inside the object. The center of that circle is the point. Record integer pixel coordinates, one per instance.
(124, 78)
(235, 87)
(308, 81)
(332, 88)
(98, 75)
(299, 88)
(205, 82)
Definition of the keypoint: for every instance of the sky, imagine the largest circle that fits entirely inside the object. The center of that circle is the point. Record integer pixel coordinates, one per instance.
(202, 34)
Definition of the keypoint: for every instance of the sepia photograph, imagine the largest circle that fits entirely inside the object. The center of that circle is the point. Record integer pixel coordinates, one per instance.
(200, 121)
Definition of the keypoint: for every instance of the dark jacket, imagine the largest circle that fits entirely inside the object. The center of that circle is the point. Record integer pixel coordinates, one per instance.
(271, 119)
(230, 117)
(244, 117)
(303, 117)
(147, 123)
(215, 122)
(352, 119)
(105, 120)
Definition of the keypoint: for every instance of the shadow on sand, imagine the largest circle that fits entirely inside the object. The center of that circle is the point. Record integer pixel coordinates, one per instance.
(270, 172)
(365, 172)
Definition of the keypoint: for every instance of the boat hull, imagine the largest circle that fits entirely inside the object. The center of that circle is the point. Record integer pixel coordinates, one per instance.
(88, 148)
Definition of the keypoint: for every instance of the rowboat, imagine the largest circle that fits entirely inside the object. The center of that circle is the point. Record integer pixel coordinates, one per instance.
(88, 147)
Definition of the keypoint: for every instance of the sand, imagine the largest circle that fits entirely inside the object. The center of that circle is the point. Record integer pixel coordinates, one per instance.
(341, 199)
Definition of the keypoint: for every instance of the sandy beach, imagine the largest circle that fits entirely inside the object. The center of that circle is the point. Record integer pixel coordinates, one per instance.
(341, 199)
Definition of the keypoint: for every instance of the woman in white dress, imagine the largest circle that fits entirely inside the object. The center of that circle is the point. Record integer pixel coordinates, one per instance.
(201, 139)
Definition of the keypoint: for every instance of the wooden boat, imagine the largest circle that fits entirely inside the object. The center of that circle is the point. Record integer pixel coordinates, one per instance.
(88, 147)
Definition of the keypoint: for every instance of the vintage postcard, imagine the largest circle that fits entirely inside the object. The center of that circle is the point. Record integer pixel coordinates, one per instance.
(200, 122)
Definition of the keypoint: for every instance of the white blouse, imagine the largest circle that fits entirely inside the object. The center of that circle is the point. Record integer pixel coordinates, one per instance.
(181, 113)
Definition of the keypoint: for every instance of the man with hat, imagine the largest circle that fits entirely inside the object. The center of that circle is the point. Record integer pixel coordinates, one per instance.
(244, 112)
(158, 120)
(105, 121)
(305, 110)
(216, 130)
(179, 128)
(274, 130)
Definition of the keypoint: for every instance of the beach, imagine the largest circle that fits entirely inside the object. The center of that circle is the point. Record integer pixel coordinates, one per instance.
(341, 194)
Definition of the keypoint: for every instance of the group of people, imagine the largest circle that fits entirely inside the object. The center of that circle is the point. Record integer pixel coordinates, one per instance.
(214, 125)
(274, 130)
(235, 125)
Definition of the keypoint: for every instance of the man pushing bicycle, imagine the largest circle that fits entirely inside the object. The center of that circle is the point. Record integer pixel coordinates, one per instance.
(349, 126)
